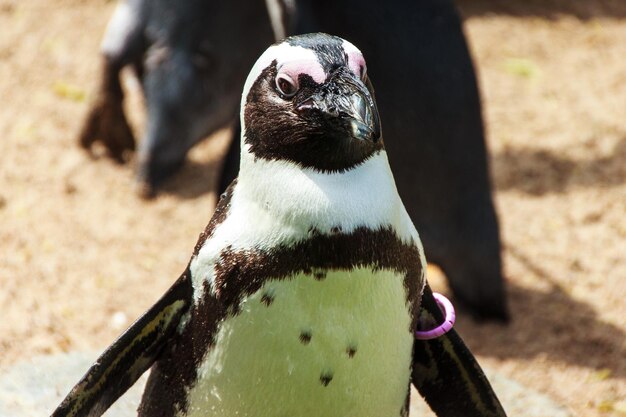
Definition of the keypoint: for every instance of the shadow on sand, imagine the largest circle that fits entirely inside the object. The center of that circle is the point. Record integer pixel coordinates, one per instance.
(194, 180)
(550, 324)
(550, 9)
(538, 172)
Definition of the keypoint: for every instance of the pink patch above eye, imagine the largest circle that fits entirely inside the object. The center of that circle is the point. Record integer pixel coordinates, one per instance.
(356, 62)
(306, 67)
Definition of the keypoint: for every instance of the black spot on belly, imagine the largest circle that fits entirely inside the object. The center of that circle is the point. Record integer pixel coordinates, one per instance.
(267, 299)
(326, 377)
(305, 337)
(336, 229)
(319, 275)
(351, 351)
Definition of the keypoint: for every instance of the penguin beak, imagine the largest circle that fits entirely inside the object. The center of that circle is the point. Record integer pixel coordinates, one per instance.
(361, 111)
(345, 97)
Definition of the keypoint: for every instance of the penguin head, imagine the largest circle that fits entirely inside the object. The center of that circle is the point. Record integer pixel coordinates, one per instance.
(308, 100)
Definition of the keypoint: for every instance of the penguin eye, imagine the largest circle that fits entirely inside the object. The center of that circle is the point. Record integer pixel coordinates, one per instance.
(286, 86)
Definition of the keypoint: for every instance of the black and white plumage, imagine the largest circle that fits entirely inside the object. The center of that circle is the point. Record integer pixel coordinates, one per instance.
(429, 100)
(304, 291)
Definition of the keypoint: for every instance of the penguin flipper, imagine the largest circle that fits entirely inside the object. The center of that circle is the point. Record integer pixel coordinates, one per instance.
(447, 374)
(130, 355)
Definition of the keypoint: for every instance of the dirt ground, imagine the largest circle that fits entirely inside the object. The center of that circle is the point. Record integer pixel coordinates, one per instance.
(81, 256)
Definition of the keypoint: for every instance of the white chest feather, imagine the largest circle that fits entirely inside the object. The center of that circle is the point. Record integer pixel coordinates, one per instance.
(337, 346)
(264, 214)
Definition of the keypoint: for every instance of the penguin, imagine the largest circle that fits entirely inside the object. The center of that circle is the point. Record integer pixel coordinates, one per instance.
(430, 102)
(304, 292)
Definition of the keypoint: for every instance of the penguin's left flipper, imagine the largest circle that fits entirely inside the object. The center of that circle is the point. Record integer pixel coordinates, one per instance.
(448, 376)
(130, 355)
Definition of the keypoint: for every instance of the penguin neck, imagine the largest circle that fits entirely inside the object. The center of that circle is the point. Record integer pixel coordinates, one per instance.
(304, 199)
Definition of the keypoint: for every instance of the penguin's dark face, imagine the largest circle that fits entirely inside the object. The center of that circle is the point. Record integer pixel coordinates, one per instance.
(308, 100)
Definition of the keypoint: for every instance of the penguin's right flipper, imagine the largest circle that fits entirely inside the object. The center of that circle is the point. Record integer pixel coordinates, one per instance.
(129, 356)
(447, 374)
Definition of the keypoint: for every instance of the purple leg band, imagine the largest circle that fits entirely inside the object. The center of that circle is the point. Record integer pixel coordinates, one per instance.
(448, 310)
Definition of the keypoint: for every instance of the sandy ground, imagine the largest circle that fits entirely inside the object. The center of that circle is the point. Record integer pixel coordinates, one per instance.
(81, 256)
